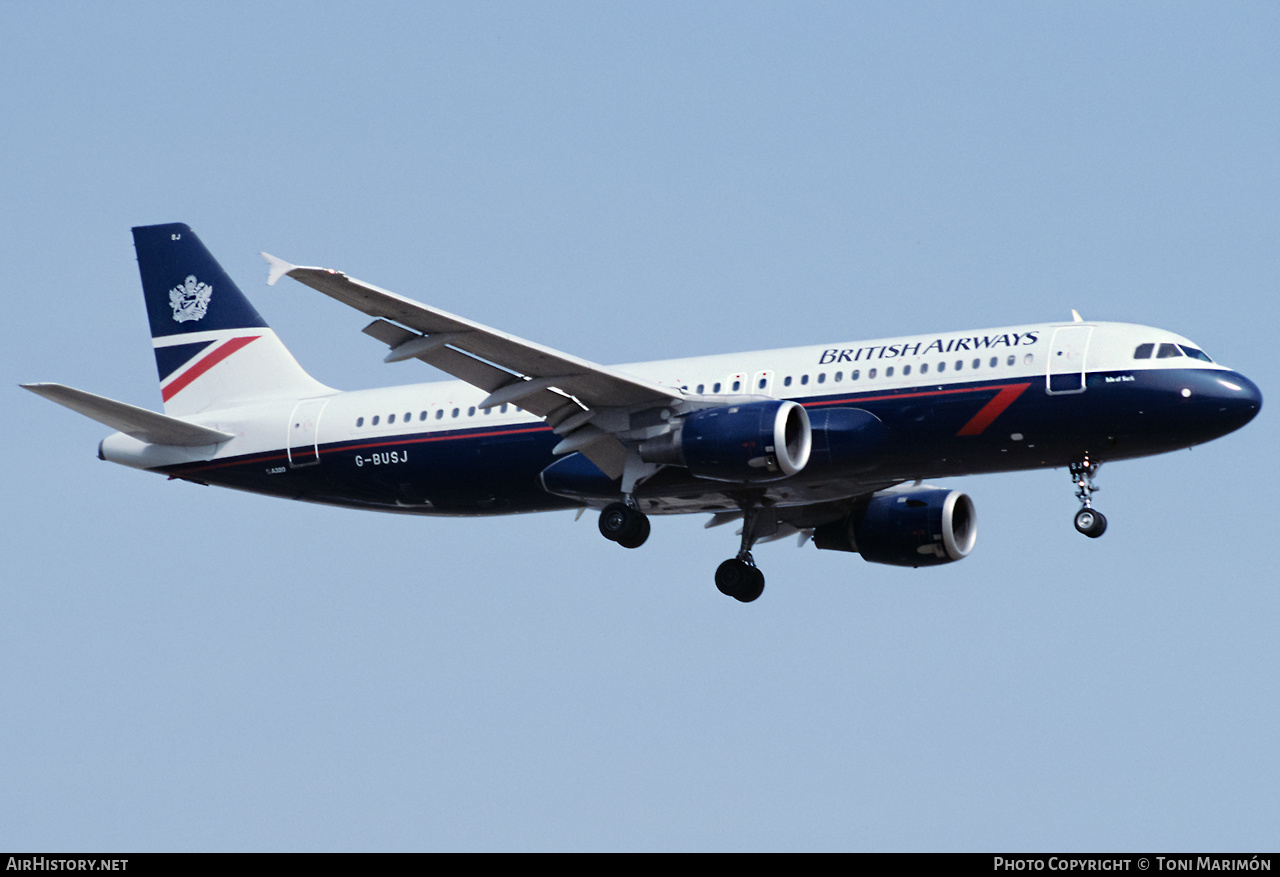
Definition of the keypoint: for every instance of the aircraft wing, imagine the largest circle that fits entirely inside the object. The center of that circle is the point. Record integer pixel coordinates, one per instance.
(564, 390)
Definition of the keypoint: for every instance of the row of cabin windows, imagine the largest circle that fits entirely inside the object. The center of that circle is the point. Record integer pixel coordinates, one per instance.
(856, 374)
(422, 415)
(837, 377)
(940, 367)
(1168, 351)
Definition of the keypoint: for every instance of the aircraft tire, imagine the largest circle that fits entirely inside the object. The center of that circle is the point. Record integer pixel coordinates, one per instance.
(739, 580)
(1091, 523)
(641, 535)
(622, 524)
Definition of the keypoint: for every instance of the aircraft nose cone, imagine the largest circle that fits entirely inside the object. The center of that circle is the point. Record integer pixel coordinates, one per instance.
(1237, 399)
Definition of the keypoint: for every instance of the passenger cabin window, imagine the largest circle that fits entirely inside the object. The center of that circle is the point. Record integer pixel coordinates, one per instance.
(737, 385)
(391, 419)
(1011, 360)
(786, 382)
(888, 373)
(822, 378)
(839, 377)
(871, 373)
(804, 379)
(375, 420)
(715, 388)
(853, 375)
(701, 388)
(440, 413)
(1143, 351)
(995, 361)
(359, 421)
(1168, 351)
(906, 370)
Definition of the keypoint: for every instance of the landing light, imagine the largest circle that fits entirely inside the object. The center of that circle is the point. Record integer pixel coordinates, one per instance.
(1186, 393)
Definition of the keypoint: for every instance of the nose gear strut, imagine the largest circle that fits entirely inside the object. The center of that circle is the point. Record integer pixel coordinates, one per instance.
(1088, 521)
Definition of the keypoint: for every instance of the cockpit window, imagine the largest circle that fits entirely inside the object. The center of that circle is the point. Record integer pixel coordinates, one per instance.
(1168, 351)
(1143, 351)
(1195, 353)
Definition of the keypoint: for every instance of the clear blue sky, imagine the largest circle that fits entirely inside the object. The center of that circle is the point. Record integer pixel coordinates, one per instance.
(186, 668)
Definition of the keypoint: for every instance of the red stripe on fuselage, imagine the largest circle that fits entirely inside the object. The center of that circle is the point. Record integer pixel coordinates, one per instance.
(217, 355)
(993, 409)
(453, 435)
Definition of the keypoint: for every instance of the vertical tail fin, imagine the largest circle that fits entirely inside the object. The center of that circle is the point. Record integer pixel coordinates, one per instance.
(213, 349)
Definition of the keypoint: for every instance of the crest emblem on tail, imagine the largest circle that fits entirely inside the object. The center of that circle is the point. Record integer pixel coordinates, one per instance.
(190, 300)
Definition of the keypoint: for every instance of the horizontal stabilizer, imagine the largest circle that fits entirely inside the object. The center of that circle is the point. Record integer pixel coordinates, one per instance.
(140, 423)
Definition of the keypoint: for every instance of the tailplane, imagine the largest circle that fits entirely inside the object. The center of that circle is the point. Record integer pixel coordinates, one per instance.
(213, 349)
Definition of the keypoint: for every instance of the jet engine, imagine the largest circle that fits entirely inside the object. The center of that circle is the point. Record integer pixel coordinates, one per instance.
(924, 526)
(755, 441)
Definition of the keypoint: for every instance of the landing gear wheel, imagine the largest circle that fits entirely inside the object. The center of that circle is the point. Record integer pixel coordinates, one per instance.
(1091, 523)
(622, 524)
(740, 580)
(641, 535)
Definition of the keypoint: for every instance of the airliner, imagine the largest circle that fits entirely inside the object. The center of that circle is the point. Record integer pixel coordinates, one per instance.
(830, 443)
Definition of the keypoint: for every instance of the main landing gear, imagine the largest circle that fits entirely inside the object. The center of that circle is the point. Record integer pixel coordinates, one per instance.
(739, 577)
(1088, 521)
(625, 524)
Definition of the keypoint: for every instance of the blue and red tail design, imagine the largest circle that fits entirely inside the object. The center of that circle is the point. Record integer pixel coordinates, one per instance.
(213, 349)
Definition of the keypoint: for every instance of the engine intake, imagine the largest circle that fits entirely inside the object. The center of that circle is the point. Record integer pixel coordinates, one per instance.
(926, 526)
(756, 441)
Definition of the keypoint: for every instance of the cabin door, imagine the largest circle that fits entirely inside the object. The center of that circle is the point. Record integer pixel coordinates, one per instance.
(304, 432)
(1066, 369)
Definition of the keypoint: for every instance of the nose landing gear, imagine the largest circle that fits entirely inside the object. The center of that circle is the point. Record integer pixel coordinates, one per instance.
(1088, 521)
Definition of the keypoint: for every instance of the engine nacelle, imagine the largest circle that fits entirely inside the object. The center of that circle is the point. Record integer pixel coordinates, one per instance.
(755, 441)
(925, 526)
(846, 440)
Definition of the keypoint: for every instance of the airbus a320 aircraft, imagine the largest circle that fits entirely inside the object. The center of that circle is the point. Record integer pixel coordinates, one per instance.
(831, 442)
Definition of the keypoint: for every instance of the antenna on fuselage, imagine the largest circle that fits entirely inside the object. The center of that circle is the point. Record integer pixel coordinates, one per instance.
(1075, 316)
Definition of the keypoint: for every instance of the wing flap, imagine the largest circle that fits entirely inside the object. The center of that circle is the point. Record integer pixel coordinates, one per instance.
(140, 423)
(467, 368)
(607, 452)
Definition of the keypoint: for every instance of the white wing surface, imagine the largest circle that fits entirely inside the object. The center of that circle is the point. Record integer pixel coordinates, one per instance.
(562, 389)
